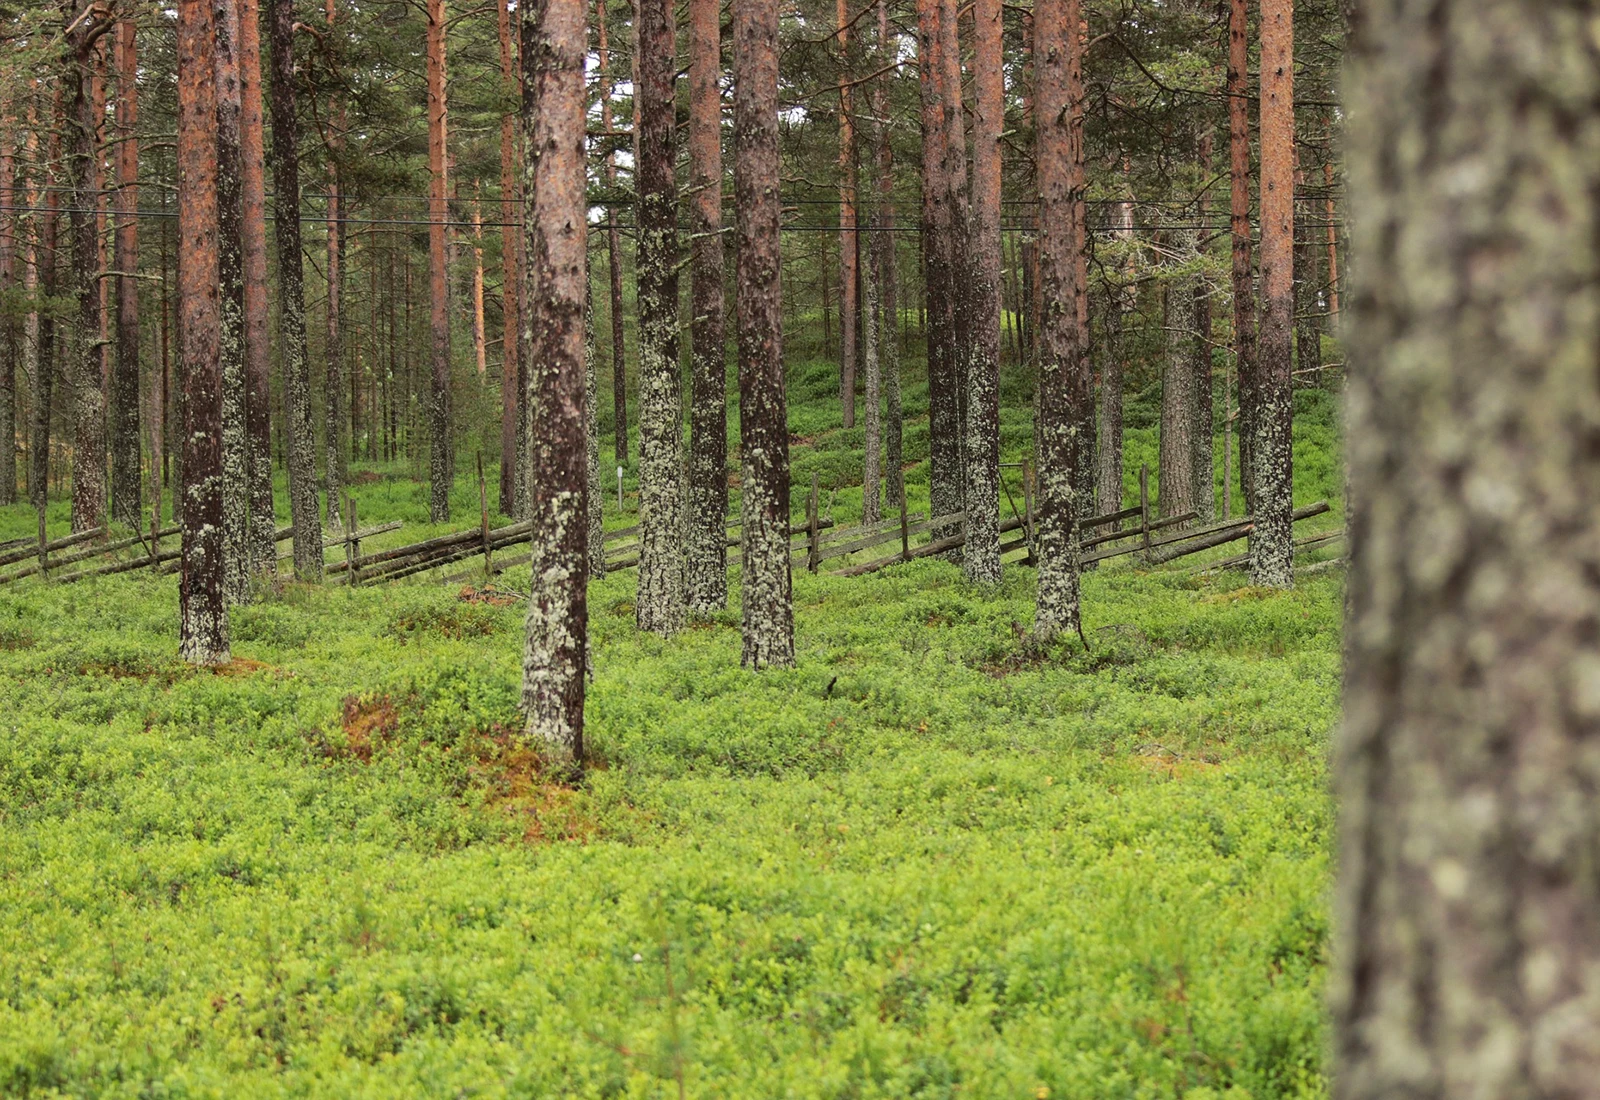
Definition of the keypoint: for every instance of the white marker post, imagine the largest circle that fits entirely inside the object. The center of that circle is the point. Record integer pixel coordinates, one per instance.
(619, 490)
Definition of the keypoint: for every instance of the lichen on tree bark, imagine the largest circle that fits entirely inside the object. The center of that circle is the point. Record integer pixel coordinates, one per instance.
(766, 587)
(1468, 929)
(661, 604)
(555, 651)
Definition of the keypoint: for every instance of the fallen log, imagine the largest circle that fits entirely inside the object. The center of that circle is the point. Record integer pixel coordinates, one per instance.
(32, 549)
(1192, 542)
(926, 550)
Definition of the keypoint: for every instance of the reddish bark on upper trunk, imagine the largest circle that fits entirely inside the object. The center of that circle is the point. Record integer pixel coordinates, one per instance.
(708, 423)
(441, 465)
(203, 616)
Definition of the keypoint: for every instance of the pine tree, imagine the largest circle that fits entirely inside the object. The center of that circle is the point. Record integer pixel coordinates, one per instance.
(1244, 300)
(441, 458)
(1272, 540)
(253, 247)
(299, 438)
(766, 589)
(1064, 400)
(554, 657)
(661, 604)
(230, 305)
(203, 612)
(706, 535)
(126, 489)
(512, 381)
(848, 306)
(981, 552)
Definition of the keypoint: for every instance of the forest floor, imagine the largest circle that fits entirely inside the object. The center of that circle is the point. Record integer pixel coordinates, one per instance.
(932, 860)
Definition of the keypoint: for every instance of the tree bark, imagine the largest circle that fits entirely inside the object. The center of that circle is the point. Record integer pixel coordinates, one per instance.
(944, 412)
(441, 466)
(596, 552)
(299, 436)
(848, 336)
(1121, 300)
(889, 333)
(981, 551)
(45, 346)
(963, 276)
(766, 589)
(619, 372)
(1064, 401)
(1467, 926)
(554, 657)
(1307, 325)
(512, 386)
(126, 486)
(1202, 468)
(872, 444)
(203, 613)
(230, 307)
(708, 417)
(1330, 211)
(263, 549)
(1174, 492)
(661, 604)
(1272, 541)
(88, 393)
(1244, 297)
(10, 337)
(334, 451)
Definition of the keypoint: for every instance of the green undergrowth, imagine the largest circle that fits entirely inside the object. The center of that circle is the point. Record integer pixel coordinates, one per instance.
(935, 859)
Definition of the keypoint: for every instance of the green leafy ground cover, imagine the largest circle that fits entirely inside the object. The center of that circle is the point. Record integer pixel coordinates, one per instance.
(933, 860)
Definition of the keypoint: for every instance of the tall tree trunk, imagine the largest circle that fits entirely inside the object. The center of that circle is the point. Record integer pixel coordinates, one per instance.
(766, 589)
(230, 306)
(511, 385)
(441, 467)
(708, 461)
(1121, 299)
(263, 548)
(619, 372)
(554, 657)
(708, 416)
(1174, 493)
(299, 436)
(1244, 299)
(1468, 933)
(872, 444)
(126, 488)
(1272, 540)
(1064, 402)
(479, 350)
(1330, 211)
(963, 276)
(1307, 325)
(88, 383)
(596, 551)
(333, 412)
(944, 419)
(661, 605)
(203, 614)
(889, 339)
(981, 552)
(1202, 467)
(848, 347)
(45, 367)
(10, 337)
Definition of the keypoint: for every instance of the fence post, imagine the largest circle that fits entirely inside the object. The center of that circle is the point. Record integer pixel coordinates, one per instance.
(905, 518)
(813, 543)
(352, 545)
(1027, 509)
(1144, 508)
(44, 545)
(483, 513)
